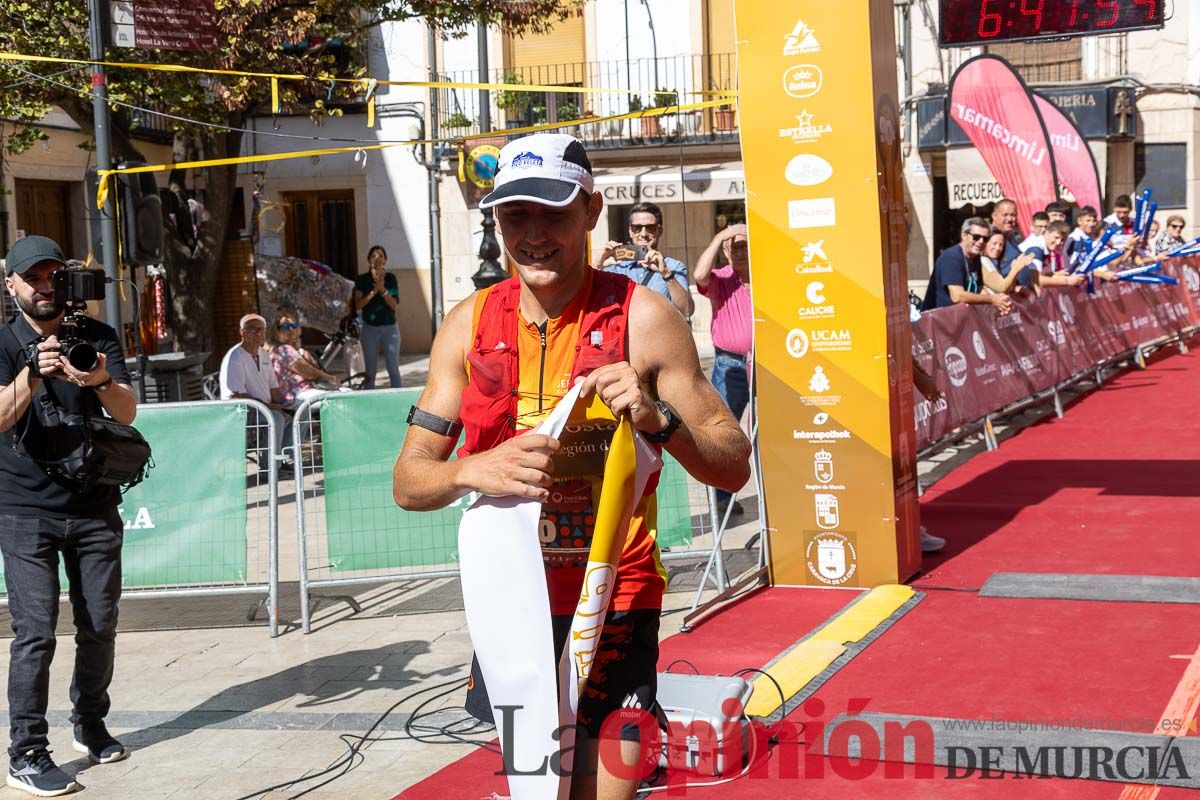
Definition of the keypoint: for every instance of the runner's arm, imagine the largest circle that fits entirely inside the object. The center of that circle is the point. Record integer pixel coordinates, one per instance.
(709, 444)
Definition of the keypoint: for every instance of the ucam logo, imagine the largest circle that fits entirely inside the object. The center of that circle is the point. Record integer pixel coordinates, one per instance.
(816, 213)
(956, 366)
(797, 343)
(977, 342)
(802, 81)
(1057, 332)
(800, 40)
(807, 169)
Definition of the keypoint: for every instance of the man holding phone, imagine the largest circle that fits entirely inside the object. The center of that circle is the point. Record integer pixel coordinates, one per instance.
(642, 262)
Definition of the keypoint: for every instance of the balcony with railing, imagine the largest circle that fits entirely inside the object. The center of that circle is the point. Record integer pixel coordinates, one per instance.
(1096, 58)
(630, 86)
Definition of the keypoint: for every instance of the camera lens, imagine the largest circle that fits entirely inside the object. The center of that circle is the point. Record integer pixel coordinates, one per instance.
(82, 356)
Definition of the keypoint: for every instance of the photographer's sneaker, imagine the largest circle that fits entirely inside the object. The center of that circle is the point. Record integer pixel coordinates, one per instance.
(96, 743)
(36, 773)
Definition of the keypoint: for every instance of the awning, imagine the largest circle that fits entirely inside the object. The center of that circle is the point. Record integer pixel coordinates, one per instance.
(628, 185)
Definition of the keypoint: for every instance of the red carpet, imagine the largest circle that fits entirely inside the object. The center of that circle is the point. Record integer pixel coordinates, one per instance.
(1112, 488)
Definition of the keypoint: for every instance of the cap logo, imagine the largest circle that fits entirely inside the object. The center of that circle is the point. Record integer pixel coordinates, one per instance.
(526, 159)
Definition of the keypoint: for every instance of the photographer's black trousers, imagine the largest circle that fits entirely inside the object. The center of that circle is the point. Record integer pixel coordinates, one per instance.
(91, 552)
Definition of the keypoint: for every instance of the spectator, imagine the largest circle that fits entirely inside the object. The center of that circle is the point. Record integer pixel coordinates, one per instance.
(1122, 217)
(246, 372)
(728, 289)
(1057, 212)
(376, 295)
(1042, 248)
(1004, 217)
(956, 273)
(1172, 236)
(296, 370)
(1040, 220)
(663, 274)
(992, 259)
(1083, 238)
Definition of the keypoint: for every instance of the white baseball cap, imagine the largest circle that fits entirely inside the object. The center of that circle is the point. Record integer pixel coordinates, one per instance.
(546, 168)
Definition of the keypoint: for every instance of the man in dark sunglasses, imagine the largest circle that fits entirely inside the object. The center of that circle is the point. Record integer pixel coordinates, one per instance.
(644, 264)
(956, 273)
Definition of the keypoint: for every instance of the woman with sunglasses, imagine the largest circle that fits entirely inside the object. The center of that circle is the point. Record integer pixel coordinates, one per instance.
(1172, 236)
(295, 367)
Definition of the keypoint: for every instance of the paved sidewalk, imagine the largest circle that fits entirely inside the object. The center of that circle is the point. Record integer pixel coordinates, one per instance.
(226, 712)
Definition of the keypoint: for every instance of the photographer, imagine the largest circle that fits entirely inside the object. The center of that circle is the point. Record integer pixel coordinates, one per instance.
(45, 516)
(644, 264)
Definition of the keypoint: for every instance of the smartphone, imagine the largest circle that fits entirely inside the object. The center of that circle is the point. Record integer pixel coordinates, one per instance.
(630, 252)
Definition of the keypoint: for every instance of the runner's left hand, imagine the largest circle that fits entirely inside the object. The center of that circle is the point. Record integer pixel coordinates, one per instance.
(620, 388)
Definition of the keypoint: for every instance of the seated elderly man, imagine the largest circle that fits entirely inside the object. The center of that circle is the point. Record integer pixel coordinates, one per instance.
(247, 373)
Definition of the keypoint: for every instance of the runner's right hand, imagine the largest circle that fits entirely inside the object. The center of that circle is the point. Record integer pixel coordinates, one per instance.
(521, 466)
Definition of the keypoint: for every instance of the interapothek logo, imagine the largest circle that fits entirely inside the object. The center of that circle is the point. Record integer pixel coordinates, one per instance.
(805, 130)
(807, 169)
(803, 81)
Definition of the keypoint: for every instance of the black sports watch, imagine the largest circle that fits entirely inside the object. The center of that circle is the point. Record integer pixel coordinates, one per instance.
(673, 423)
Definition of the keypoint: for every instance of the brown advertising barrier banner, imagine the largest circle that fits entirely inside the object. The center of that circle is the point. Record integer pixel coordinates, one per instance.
(982, 361)
(825, 208)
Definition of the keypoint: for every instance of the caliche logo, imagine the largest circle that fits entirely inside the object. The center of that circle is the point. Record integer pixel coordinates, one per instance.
(817, 308)
(1067, 308)
(802, 80)
(823, 466)
(808, 170)
(797, 343)
(977, 342)
(526, 160)
(1057, 332)
(816, 213)
(827, 511)
(956, 366)
(800, 40)
(805, 130)
(831, 558)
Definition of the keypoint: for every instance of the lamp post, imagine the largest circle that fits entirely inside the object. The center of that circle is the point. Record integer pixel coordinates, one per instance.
(490, 271)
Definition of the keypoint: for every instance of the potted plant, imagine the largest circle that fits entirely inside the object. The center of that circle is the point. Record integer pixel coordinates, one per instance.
(514, 103)
(457, 121)
(652, 126)
(723, 114)
(568, 111)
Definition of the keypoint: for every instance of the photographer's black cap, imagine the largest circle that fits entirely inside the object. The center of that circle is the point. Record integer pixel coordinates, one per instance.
(30, 251)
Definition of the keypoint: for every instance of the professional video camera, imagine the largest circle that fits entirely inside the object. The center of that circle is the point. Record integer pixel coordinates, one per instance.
(73, 288)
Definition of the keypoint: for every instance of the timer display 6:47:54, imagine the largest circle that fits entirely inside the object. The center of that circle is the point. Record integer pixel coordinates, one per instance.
(966, 22)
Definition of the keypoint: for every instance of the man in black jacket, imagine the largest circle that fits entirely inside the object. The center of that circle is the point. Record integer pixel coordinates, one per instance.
(43, 516)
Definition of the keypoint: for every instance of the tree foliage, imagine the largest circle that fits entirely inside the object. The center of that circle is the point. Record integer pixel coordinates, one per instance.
(317, 38)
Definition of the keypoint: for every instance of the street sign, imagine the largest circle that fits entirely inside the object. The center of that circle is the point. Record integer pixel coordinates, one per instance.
(165, 25)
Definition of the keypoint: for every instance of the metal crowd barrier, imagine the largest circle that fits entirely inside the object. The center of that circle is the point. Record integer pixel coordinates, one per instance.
(350, 531)
(205, 520)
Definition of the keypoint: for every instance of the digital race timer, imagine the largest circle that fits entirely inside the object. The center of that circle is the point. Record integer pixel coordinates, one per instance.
(967, 22)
